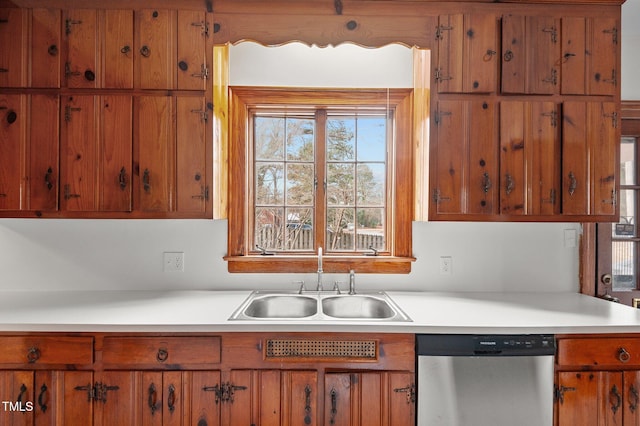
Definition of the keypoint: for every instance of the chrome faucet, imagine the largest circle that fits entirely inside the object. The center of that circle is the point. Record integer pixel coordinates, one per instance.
(319, 286)
(352, 282)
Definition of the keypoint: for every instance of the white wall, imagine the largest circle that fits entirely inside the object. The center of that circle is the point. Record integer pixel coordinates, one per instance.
(127, 254)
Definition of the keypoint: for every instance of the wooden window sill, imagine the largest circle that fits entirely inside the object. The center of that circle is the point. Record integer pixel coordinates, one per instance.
(309, 264)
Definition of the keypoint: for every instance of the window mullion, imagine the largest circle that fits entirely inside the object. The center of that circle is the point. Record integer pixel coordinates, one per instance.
(320, 195)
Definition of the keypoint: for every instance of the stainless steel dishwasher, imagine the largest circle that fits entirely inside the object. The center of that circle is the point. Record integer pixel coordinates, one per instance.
(485, 380)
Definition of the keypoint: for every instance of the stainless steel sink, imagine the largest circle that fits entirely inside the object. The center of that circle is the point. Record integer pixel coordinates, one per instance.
(356, 306)
(318, 306)
(282, 306)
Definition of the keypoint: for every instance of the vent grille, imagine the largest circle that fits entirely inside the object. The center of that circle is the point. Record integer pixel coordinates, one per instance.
(293, 348)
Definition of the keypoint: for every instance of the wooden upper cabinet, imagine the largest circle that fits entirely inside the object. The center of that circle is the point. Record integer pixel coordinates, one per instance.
(154, 134)
(191, 166)
(46, 50)
(13, 127)
(590, 156)
(467, 53)
(529, 158)
(43, 155)
(96, 147)
(530, 54)
(155, 49)
(79, 153)
(590, 52)
(13, 47)
(118, 49)
(192, 64)
(82, 36)
(465, 158)
(116, 151)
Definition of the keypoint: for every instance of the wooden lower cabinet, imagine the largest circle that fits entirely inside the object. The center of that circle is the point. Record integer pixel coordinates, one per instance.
(44, 398)
(369, 398)
(598, 398)
(227, 379)
(598, 381)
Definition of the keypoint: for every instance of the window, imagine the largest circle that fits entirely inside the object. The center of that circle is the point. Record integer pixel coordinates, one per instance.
(333, 179)
(320, 168)
(618, 250)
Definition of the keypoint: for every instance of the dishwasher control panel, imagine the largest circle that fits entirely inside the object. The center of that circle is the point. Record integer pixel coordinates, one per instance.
(485, 345)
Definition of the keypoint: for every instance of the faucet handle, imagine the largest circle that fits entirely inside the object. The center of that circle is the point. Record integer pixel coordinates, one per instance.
(301, 284)
(336, 287)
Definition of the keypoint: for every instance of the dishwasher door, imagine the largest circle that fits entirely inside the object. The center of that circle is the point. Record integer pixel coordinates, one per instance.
(487, 390)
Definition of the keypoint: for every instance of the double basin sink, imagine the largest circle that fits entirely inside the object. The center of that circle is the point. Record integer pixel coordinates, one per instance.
(315, 306)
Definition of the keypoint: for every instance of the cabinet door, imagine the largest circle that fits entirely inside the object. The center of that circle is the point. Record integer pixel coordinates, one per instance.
(529, 158)
(45, 48)
(191, 174)
(116, 153)
(119, 399)
(530, 54)
(62, 398)
(590, 146)
(79, 153)
(17, 390)
(155, 48)
(369, 399)
(83, 48)
(44, 152)
(204, 402)
(13, 125)
(467, 50)
(256, 397)
(603, 76)
(192, 67)
(155, 138)
(13, 47)
(118, 49)
(589, 56)
(299, 398)
(466, 158)
(589, 398)
(631, 413)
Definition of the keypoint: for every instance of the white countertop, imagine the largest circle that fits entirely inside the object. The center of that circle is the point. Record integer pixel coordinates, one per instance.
(208, 311)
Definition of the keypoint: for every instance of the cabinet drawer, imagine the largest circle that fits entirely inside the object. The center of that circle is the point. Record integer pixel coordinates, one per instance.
(607, 351)
(161, 351)
(38, 350)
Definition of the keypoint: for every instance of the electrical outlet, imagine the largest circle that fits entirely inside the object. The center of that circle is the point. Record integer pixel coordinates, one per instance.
(173, 262)
(446, 264)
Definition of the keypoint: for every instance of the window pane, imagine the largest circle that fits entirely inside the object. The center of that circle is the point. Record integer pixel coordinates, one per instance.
(269, 178)
(340, 184)
(372, 138)
(340, 229)
(341, 139)
(299, 233)
(626, 228)
(628, 161)
(268, 228)
(371, 184)
(623, 265)
(300, 139)
(268, 135)
(370, 229)
(300, 184)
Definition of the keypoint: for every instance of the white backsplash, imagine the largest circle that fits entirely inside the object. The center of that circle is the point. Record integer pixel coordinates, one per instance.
(128, 255)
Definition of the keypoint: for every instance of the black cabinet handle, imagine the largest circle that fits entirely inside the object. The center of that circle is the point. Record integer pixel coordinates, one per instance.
(41, 398)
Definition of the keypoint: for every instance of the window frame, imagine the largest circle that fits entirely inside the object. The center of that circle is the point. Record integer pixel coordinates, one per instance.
(630, 127)
(242, 258)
